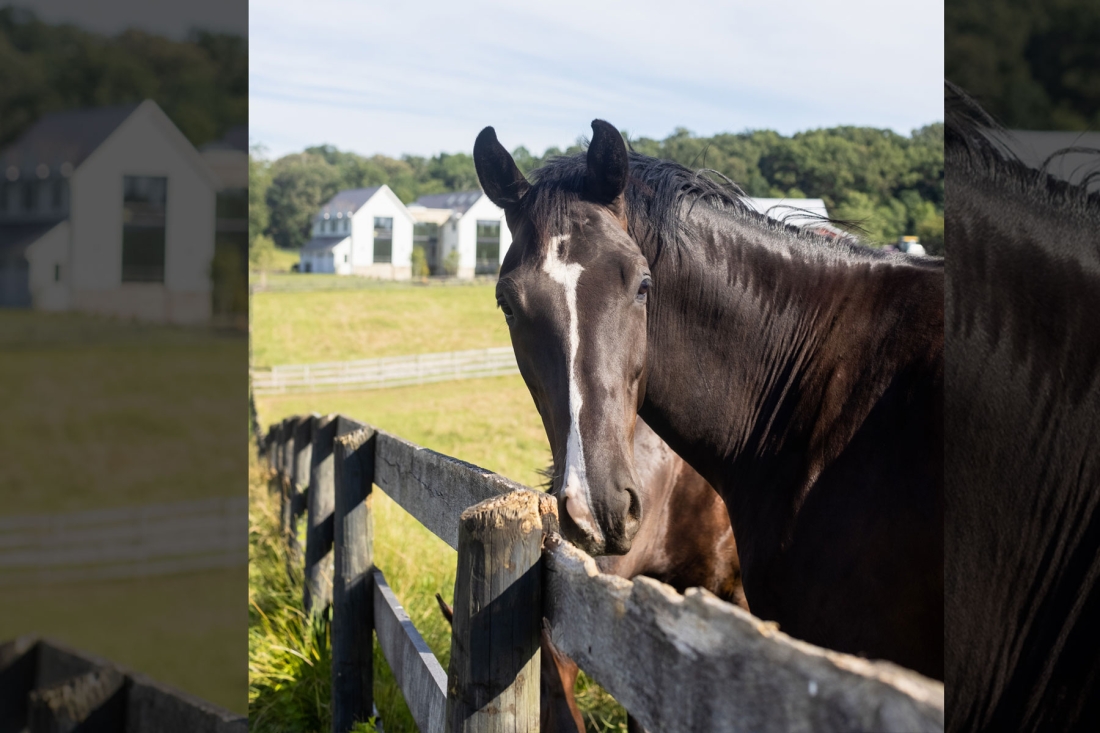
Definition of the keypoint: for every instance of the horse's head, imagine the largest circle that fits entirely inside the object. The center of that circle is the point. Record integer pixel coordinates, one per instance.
(573, 289)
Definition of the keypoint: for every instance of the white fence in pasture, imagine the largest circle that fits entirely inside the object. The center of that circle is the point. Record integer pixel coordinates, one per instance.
(130, 542)
(394, 371)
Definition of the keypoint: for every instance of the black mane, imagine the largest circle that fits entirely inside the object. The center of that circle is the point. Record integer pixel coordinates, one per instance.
(656, 192)
(973, 146)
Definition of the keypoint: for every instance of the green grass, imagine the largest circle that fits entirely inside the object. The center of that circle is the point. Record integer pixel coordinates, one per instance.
(377, 320)
(103, 413)
(186, 630)
(106, 413)
(489, 422)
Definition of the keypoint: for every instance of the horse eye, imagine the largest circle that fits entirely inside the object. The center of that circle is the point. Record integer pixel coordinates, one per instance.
(643, 290)
(508, 315)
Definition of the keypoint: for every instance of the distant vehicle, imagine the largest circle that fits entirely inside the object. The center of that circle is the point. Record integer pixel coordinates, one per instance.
(911, 245)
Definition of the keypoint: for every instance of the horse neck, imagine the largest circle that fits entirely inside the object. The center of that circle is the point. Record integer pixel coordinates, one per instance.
(765, 354)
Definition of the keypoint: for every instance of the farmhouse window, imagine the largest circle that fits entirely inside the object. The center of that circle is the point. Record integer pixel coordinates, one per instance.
(144, 204)
(383, 239)
(30, 196)
(57, 273)
(488, 247)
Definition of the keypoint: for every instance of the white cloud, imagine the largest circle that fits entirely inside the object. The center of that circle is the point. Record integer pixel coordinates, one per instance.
(396, 77)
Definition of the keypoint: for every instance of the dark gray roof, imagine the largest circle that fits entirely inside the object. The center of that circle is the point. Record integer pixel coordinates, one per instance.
(63, 137)
(460, 201)
(349, 200)
(15, 238)
(235, 138)
(322, 243)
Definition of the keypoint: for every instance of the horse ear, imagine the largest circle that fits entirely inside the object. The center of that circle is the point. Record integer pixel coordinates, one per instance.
(608, 164)
(500, 178)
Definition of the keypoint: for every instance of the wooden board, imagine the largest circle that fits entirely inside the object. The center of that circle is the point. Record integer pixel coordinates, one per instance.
(693, 662)
(432, 487)
(418, 673)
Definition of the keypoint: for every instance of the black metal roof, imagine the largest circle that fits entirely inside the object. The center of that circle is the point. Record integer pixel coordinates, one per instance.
(460, 201)
(322, 243)
(349, 200)
(63, 137)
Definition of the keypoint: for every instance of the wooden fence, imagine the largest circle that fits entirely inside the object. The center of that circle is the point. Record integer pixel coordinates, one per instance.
(46, 687)
(677, 663)
(127, 542)
(395, 371)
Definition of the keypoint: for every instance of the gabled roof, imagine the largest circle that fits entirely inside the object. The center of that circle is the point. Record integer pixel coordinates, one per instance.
(235, 138)
(64, 137)
(17, 237)
(320, 244)
(349, 201)
(460, 201)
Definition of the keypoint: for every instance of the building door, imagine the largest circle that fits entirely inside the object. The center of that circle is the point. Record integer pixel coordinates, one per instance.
(488, 247)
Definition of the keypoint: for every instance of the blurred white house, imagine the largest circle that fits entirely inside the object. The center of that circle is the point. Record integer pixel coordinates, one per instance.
(467, 223)
(111, 211)
(361, 231)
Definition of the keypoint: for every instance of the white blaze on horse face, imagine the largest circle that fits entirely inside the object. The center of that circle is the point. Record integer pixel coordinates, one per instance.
(575, 486)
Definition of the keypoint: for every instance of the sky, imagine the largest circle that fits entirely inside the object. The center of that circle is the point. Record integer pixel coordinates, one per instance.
(425, 77)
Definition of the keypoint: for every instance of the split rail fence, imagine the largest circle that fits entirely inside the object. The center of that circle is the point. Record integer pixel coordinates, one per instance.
(393, 371)
(676, 663)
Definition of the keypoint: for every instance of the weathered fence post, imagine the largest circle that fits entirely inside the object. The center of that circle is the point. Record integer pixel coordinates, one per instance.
(493, 680)
(352, 591)
(299, 446)
(321, 498)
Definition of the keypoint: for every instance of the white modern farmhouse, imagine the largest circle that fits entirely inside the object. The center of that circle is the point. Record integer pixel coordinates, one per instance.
(467, 223)
(361, 231)
(108, 210)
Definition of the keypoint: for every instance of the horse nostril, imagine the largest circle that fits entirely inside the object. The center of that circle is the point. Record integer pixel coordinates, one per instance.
(633, 513)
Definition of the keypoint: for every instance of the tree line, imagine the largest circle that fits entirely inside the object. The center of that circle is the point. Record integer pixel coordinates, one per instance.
(889, 184)
(201, 83)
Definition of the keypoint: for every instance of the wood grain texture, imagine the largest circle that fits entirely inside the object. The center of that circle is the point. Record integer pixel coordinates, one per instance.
(352, 605)
(321, 500)
(432, 487)
(493, 681)
(418, 673)
(692, 662)
(94, 700)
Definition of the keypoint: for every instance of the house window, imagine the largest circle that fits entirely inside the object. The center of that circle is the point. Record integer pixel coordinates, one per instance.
(144, 204)
(488, 247)
(56, 192)
(30, 196)
(383, 240)
(57, 273)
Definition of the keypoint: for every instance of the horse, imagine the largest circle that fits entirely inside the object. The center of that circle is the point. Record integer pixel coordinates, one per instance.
(685, 540)
(1023, 422)
(801, 376)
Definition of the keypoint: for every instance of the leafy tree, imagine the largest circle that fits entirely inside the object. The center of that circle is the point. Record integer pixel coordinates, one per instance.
(890, 183)
(201, 83)
(300, 183)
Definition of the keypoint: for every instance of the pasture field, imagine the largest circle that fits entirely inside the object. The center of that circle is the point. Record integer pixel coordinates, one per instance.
(103, 413)
(371, 319)
(489, 422)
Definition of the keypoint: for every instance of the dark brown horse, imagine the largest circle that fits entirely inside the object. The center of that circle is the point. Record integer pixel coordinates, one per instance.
(1023, 420)
(802, 377)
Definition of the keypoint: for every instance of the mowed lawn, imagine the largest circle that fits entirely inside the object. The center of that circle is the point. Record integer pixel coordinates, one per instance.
(491, 422)
(382, 320)
(102, 413)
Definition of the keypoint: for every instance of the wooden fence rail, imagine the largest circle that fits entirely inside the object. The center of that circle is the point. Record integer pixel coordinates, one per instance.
(127, 542)
(677, 663)
(394, 371)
